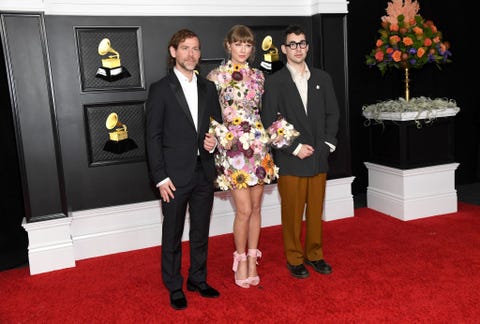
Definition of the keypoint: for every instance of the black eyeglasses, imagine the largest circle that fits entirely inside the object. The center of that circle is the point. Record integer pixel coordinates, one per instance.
(303, 44)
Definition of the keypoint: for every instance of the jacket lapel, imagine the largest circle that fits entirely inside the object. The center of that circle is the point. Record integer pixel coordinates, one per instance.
(182, 101)
(201, 87)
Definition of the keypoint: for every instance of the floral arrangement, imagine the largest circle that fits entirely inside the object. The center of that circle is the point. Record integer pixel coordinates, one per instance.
(407, 40)
(282, 133)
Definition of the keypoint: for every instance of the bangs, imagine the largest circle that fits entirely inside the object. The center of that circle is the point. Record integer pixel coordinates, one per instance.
(242, 35)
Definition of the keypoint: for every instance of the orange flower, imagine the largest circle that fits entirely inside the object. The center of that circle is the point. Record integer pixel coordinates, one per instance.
(418, 31)
(393, 27)
(407, 41)
(397, 55)
(427, 42)
(268, 165)
(379, 56)
(394, 39)
(420, 52)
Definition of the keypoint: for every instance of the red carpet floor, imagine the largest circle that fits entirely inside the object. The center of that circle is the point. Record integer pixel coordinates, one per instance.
(384, 271)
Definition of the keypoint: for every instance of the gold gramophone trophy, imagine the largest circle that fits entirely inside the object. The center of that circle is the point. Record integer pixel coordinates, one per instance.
(118, 141)
(271, 61)
(120, 133)
(111, 69)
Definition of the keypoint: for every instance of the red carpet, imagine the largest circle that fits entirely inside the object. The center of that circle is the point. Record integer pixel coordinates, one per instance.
(384, 271)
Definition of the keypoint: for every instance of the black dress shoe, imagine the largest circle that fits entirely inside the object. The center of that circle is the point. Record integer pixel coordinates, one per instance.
(298, 271)
(203, 288)
(320, 266)
(178, 300)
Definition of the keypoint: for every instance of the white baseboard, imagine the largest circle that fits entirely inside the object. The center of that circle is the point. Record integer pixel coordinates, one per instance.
(57, 244)
(412, 193)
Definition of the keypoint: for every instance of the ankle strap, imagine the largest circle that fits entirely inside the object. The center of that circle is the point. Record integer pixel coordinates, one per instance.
(238, 257)
(255, 253)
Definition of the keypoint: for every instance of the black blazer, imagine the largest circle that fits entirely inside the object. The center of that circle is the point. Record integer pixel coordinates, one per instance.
(316, 128)
(171, 138)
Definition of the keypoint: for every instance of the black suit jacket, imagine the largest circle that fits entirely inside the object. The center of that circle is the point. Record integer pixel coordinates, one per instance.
(171, 138)
(320, 125)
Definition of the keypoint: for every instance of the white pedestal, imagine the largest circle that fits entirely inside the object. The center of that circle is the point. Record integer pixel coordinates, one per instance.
(412, 193)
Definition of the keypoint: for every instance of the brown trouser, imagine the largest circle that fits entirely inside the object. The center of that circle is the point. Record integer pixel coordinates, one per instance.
(295, 192)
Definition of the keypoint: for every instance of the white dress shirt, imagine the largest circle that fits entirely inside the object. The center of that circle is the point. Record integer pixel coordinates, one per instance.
(190, 91)
(301, 81)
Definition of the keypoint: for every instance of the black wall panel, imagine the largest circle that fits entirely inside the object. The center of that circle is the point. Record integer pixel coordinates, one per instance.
(26, 57)
(92, 185)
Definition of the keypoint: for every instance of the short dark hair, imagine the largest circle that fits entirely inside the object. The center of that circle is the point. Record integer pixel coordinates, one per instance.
(176, 39)
(292, 29)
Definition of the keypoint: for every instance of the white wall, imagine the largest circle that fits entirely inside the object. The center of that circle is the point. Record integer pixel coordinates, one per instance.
(177, 7)
(58, 243)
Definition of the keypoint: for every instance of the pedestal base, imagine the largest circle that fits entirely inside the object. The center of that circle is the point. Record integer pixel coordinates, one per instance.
(413, 193)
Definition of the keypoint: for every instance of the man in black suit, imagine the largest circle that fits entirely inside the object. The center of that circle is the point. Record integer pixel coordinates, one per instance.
(179, 148)
(306, 98)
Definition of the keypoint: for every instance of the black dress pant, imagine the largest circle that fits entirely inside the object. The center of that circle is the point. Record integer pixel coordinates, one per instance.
(197, 195)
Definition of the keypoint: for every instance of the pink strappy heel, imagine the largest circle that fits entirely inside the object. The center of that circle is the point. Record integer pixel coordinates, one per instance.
(237, 257)
(254, 253)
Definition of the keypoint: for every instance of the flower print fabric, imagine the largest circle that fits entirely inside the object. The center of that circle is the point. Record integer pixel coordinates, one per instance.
(242, 158)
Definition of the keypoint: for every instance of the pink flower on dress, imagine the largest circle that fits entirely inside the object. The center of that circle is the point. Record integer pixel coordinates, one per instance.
(251, 94)
(257, 146)
(236, 130)
(238, 161)
(228, 114)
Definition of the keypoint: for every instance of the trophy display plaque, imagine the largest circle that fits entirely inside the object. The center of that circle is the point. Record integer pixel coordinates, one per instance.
(109, 58)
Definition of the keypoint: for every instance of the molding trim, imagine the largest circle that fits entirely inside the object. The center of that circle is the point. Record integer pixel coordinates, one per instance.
(57, 244)
(177, 8)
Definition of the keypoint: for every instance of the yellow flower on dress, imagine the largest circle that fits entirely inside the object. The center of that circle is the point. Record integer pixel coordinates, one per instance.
(237, 121)
(229, 136)
(259, 125)
(240, 179)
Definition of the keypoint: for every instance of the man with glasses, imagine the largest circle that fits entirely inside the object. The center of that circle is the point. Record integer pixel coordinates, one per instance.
(306, 98)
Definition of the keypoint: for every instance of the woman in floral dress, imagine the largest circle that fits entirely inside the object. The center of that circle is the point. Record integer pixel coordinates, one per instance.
(242, 159)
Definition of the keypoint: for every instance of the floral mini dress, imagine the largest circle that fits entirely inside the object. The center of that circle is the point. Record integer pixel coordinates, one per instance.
(242, 158)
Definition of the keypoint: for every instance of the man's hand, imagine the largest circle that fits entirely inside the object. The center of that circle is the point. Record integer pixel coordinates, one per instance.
(305, 151)
(209, 142)
(166, 191)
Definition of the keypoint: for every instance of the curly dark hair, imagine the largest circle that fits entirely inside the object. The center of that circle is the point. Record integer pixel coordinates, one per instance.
(176, 39)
